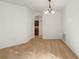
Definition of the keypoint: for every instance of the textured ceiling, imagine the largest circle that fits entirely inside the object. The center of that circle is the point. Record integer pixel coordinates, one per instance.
(40, 5)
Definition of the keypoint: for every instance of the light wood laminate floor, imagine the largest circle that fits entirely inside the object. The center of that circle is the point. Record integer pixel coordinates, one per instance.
(38, 49)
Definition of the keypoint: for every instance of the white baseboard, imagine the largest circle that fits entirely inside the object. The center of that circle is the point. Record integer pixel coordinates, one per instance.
(70, 48)
(14, 44)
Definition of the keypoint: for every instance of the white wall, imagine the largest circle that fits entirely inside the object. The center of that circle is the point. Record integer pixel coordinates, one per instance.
(71, 25)
(15, 24)
(40, 25)
(52, 26)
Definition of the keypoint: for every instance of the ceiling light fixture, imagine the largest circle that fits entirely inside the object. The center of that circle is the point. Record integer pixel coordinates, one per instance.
(49, 11)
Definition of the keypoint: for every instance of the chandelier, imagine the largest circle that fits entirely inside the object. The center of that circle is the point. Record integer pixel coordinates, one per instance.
(49, 11)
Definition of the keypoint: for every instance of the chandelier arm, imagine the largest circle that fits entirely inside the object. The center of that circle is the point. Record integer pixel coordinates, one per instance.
(49, 0)
(49, 3)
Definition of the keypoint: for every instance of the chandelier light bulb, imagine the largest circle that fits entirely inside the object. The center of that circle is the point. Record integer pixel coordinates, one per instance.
(47, 12)
(52, 12)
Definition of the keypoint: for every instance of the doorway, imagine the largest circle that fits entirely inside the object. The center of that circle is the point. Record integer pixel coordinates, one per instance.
(36, 26)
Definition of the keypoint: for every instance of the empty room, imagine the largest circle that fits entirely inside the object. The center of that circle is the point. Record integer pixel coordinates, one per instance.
(39, 29)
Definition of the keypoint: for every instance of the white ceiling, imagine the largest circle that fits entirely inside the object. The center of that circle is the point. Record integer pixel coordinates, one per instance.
(40, 5)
